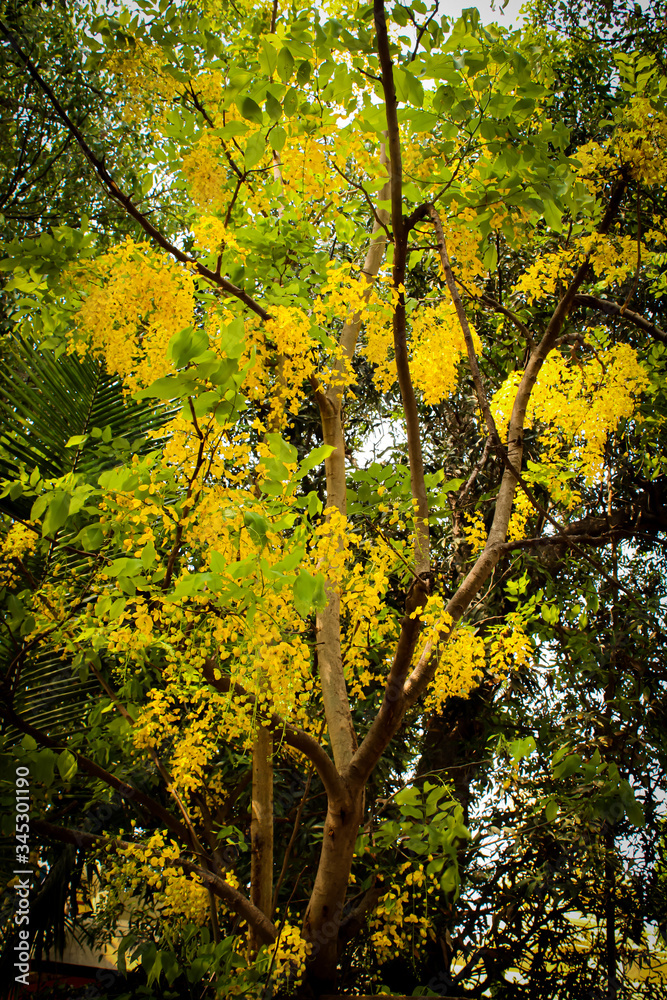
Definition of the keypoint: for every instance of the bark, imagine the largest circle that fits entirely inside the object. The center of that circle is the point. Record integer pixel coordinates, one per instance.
(610, 308)
(401, 232)
(325, 909)
(345, 806)
(261, 828)
(330, 401)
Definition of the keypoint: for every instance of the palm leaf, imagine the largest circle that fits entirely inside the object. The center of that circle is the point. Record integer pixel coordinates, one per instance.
(45, 401)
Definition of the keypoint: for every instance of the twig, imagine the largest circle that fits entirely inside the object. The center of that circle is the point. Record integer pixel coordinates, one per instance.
(115, 192)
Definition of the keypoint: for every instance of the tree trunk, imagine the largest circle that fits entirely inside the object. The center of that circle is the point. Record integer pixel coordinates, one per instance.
(325, 910)
(261, 828)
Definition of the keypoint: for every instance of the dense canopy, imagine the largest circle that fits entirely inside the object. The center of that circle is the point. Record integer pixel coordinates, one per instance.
(332, 496)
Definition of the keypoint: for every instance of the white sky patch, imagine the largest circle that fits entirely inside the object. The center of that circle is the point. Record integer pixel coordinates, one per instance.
(490, 11)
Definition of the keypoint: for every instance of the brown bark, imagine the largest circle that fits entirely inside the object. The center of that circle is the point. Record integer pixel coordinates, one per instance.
(401, 232)
(325, 909)
(330, 400)
(261, 829)
(345, 807)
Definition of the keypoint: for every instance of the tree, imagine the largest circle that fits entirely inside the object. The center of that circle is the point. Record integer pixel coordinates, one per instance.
(348, 193)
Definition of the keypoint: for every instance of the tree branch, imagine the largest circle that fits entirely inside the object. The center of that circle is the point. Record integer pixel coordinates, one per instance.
(401, 231)
(115, 192)
(128, 792)
(264, 928)
(613, 309)
(294, 737)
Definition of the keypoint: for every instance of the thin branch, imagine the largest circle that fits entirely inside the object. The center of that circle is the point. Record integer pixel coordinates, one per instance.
(264, 928)
(422, 30)
(295, 830)
(164, 774)
(633, 287)
(186, 503)
(482, 397)
(498, 307)
(530, 378)
(292, 735)
(460, 497)
(613, 309)
(360, 187)
(115, 192)
(128, 792)
(401, 232)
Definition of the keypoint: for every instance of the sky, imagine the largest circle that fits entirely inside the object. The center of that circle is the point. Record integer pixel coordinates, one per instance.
(510, 16)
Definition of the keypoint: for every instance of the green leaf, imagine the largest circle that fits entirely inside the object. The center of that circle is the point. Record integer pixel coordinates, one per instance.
(409, 89)
(57, 514)
(303, 73)
(308, 592)
(91, 537)
(283, 450)
(187, 345)
(169, 387)
(254, 150)
(522, 748)
(551, 810)
(491, 258)
(250, 110)
(278, 138)
(67, 765)
(635, 813)
(267, 57)
(449, 881)
(408, 796)
(316, 456)
(257, 527)
(232, 338)
(274, 108)
(552, 216)
(148, 555)
(285, 65)
(76, 440)
(567, 767)
(232, 130)
(42, 766)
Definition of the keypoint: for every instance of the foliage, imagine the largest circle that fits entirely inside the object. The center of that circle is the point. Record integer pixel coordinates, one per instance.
(373, 216)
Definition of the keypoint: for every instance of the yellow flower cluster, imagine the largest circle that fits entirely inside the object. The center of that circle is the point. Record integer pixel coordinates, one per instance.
(345, 299)
(639, 144)
(401, 922)
(474, 530)
(612, 259)
(18, 543)
(369, 624)
(577, 404)
(510, 648)
(144, 88)
(522, 511)
(204, 168)
(134, 301)
(289, 329)
(289, 954)
(437, 346)
(307, 175)
(459, 669)
(138, 866)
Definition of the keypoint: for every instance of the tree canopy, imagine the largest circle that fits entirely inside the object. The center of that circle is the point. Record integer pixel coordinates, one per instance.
(332, 375)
